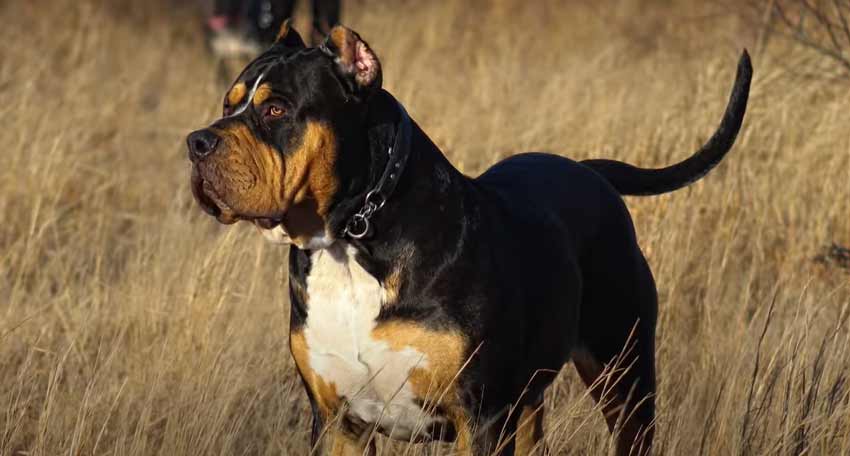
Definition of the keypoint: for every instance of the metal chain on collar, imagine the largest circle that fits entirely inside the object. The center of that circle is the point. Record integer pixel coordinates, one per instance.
(359, 225)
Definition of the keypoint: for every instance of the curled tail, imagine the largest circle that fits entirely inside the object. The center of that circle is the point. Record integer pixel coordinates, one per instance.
(631, 180)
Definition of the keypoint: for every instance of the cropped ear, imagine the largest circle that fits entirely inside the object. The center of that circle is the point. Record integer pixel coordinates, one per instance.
(354, 59)
(288, 36)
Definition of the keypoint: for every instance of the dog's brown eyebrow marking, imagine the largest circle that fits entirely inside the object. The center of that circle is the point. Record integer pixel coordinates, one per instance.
(244, 103)
(262, 94)
(236, 94)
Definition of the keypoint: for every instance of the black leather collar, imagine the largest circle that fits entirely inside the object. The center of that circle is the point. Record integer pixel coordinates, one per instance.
(359, 225)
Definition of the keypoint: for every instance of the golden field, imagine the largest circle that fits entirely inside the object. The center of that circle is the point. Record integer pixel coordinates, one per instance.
(133, 324)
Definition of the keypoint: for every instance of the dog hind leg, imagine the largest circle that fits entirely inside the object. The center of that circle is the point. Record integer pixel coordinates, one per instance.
(617, 355)
(529, 433)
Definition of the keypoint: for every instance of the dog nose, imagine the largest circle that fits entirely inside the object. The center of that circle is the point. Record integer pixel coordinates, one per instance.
(201, 143)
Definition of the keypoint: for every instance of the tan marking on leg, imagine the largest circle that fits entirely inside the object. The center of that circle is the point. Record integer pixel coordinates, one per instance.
(324, 393)
(236, 94)
(591, 371)
(263, 92)
(340, 441)
(613, 404)
(529, 431)
(445, 353)
(463, 431)
(345, 444)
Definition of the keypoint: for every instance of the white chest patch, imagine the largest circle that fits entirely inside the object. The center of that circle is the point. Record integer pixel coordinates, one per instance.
(344, 301)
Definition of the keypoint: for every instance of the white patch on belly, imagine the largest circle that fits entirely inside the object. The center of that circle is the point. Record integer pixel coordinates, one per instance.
(344, 301)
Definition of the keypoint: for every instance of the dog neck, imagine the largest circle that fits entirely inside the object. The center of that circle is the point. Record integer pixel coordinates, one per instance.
(429, 192)
(358, 226)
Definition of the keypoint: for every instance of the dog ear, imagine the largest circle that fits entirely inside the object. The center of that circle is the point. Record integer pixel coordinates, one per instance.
(355, 59)
(288, 36)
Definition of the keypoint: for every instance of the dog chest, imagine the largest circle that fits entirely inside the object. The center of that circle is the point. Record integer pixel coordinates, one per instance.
(372, 368)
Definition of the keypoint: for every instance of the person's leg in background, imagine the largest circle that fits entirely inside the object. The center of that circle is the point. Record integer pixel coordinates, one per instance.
(325, 16)
(270, 14)
(267, 17)
(243, 28)
(227, 8)
(226, 36)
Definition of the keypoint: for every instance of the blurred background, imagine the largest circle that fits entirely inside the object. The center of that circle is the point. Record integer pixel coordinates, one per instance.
(133, 324)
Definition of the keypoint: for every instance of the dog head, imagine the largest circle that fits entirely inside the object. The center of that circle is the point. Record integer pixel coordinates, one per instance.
(291, 137)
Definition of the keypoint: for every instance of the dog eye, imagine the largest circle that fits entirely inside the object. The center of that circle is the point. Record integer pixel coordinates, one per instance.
(274, 111)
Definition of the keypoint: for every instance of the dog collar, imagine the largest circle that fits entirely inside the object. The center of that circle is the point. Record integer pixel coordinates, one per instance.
(359, 225)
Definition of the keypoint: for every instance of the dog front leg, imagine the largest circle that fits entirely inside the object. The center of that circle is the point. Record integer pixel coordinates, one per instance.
(344, 443)
(330, 437)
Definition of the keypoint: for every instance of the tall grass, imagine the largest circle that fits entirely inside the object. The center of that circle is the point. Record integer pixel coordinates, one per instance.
(131, 324)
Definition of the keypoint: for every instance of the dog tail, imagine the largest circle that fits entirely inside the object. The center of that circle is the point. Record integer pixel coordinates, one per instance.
(631, 180)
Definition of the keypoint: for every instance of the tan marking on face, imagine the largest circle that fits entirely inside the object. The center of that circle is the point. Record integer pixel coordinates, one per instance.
(263, 92)
(247, 174)
(252, 178)
(236, 94)
(309, 171)
(445, 352)
(324, 393)
(529, 430)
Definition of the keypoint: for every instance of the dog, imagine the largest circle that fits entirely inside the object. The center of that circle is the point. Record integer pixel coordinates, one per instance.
(425, 304)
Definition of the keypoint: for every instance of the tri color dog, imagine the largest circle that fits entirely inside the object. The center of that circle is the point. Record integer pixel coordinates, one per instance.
(426, 304)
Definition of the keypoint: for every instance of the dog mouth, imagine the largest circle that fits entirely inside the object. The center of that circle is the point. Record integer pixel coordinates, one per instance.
(267, 223)
(209, 200)
(214, 205)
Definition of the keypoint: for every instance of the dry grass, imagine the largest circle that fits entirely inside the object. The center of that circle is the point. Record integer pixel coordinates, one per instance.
(130, 324)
